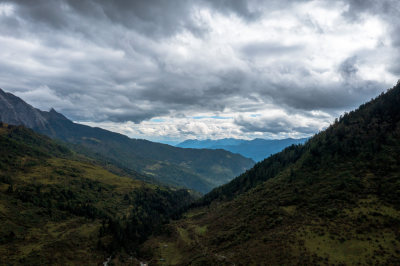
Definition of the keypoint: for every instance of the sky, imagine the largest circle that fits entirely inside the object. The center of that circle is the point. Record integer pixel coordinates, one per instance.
(170, 70)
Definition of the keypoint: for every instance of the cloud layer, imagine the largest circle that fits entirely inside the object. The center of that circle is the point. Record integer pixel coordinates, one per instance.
(168, 70)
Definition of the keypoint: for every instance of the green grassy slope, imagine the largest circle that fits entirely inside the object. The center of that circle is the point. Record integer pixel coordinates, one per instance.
(334, 200)
(59, 208)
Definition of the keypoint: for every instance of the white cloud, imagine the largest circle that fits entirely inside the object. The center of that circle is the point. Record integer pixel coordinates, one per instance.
(6, 9)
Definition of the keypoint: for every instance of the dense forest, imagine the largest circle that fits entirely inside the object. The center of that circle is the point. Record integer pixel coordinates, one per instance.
(58, 207)
(333, 200)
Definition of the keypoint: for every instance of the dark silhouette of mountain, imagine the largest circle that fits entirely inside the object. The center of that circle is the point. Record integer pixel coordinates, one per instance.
(333, 200)
(200, 170)
(58, 208)
(256, 149)
(15, 111)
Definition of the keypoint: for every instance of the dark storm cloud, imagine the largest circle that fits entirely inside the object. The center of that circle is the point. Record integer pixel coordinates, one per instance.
(383, 7)
(41, 11)
(395, 67)
(273, 125)
(157, 18)
(9, 26)
(277, 124)
(303, 95)
(239, 7)
(102, 60)
(336, 96)
(153, 17)
(348, 67)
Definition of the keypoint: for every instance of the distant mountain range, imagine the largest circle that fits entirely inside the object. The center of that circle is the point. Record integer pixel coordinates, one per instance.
(256, 149)
(200, 170)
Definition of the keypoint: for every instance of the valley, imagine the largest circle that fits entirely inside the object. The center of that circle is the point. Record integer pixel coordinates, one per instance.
(201, 132)
(200, 170)
(332, 200)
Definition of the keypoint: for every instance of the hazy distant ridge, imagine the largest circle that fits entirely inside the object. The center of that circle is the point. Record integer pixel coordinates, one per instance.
(256, 149)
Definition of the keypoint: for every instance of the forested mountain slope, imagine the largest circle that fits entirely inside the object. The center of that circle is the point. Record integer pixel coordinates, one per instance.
(334, 200)
(59, 208)
(200, 170)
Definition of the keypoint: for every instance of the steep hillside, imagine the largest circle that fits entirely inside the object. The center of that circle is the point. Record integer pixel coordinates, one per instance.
(334, 200)
(256, 149)
(15, 111)
(59, 208)
(201, 170)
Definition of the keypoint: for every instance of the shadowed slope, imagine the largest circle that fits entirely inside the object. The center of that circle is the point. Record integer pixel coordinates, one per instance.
(334, 200)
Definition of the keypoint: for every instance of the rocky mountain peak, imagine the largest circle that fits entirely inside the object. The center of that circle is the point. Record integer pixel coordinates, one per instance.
(15, 111)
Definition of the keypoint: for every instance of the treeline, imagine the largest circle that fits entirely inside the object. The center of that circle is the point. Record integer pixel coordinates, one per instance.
(18, 141)
(261, 172)
(151, 208)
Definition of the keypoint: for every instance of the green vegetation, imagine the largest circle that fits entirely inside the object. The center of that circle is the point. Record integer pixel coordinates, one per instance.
(200, 170)
(334, 200)
(57, 207)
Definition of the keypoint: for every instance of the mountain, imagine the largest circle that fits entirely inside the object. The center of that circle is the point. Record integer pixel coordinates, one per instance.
(200, 170)
(15, 111)
(334, 200)
(209, 143)
(256, 149)
(60, 208)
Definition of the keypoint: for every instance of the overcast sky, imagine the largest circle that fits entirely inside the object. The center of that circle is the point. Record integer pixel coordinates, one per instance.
(179, 69)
